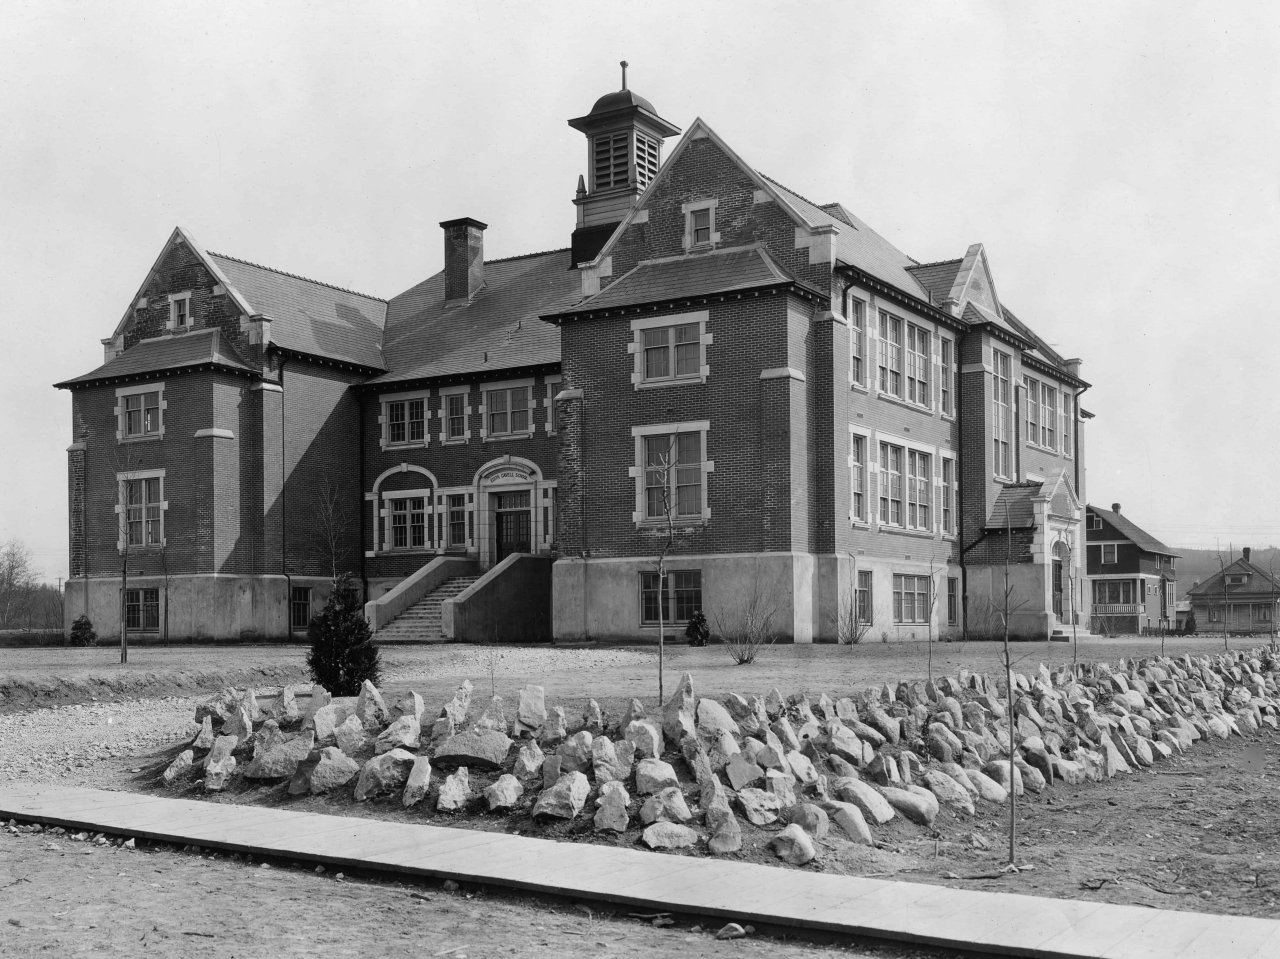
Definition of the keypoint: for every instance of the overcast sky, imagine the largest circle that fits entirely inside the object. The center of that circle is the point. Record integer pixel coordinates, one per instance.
(1118, 160)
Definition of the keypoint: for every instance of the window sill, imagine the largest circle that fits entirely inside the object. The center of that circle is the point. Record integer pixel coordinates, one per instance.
(456, 441)
(903, 531)
(677, 524)
(503, 437)
(150, 438)
(859, 387)
(410, 445)
(671, 381)
(906, 404)
(679, 623)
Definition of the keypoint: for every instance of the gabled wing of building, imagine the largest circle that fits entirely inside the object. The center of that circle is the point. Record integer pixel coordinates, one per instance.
(197, 350)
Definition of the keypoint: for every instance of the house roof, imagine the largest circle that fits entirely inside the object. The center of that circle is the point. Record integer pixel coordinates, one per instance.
(497, 329)
(937, 278)
(1260, 581)
(1013, 507)
(719, 271)
(1133, 532)
(164, 353)
(309, 316)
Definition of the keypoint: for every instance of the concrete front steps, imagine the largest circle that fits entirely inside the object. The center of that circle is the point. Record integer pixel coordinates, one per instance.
(420, 623)
(1063, 634)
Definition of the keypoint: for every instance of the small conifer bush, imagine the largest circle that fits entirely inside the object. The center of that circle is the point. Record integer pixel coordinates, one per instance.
(82, 632)
(698, 631)
(343, 654)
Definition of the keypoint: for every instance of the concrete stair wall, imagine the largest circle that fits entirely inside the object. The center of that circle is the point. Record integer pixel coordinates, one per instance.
(420, 623)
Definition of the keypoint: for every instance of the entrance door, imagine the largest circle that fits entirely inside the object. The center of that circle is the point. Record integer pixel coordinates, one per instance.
(1057, 588)
(512, 520)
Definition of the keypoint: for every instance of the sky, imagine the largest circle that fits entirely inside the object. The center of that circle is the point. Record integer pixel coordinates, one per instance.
(1119, 161)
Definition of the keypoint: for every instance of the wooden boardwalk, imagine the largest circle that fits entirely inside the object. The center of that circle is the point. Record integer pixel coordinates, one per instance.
(742, 892)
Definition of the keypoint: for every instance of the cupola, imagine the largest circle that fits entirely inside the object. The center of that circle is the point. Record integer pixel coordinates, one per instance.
(624, 150)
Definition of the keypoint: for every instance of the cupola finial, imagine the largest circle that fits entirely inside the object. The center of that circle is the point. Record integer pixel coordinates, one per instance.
(624, 73)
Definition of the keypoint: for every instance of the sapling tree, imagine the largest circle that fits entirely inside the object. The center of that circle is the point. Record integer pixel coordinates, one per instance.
(1004, 608)
(332, 524)
(661, 467)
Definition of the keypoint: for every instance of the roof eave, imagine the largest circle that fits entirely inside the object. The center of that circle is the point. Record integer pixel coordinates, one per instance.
(697, 299)
(903, 298)
(143, 375)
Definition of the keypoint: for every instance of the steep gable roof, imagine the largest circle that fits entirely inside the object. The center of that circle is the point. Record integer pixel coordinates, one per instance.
(497, 329)
(1013, 507)
(165, 354)
(937, 279)
(1260, 581)
(1132, 532)
(309, 316)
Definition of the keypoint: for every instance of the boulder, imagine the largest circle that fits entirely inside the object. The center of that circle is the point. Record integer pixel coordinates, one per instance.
(851, 821)
(863, 795)
(843, 743)
(721, 747)
(457, 707)
(678, 716)
(384, 774)
(482, 748)
(713, 718)
(605, 763)
(948, 792)
(553, 729)
(593, 719)
(218, 708)
(793, 846)
(741, 772)
(403, 733)
(267, 737)
(407, 703)
(218, 773)
(322, 772)
(575, 753)
(284, 709)
(744, 714)
(760, 808)
(354, 739)
(455, 791)
(564, 800)
(180, 766)
(781, 784)
(611, 808)
(726, 834)
(529, 760)
(883, 769)
(918, 805)
(785, 733)
(238, 724)
(809, 817)
(204, 737)
(696, 758)
(326, 719)
(669, 835)
(550, 771)
(418, 783)
(531, 713)
(667, 805)
(504, 793)
(494, 716)
(774, 704)
(988, 789)
(654, 775)
(281, 761)
(645, 737)
(223, 746)
(635, 711)
(370, 707)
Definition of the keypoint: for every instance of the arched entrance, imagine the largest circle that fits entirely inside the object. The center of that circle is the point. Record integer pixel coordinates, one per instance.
(508, 491)
(1059, 551)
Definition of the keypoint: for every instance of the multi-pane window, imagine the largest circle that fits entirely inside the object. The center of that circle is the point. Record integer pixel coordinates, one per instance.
(457, 519)
(890, 484)
(1049, 416)
(700, 225)
(918, 482)
(408, 522)
(646, 159)
(890, 366)
(1111, 592)
(610, 162)
(142, 609)
(858, 477)
(406, 421)
(862, 600)
(683, 596)
(673, 476)
(1002, 412)
(1067, 421)
(299, 607)
(1108, 553)
(948, 496)
(857, 311)
(953, 601)
(910, 598)
(180, 310)
(946, 384)
(508, 410)
(144, 512)
(672, 352)
(1033, 409)
(918, 362)
(141, 413)
(455, 416)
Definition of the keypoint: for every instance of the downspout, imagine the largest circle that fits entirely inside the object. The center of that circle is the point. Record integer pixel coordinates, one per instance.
(964, 569)
(284, 524)
(364, 573)
(1075, 429)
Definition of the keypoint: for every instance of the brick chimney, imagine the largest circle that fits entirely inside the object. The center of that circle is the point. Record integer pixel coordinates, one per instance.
(1115, 507)
(1245, 552)
(463, 258)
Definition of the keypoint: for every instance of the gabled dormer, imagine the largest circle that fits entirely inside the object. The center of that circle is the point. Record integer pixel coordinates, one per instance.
(624, 151)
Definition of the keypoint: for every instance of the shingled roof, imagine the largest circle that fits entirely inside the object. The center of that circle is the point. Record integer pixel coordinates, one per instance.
(1013, 507)
(937, 278)
(309, 316)
(1133, 532)
(165, 354)
(497, 329)
(1259, 582)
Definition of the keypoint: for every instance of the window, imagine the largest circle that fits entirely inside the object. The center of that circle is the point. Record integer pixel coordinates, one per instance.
(953, 601)
(609, 160)
(1108, 553)
(670, 350)
(673, 476)
(179, 311)
(646, 159)
(863, 598)
(1033, 409)
(948, 496)
(507, 411)
(1113, 592)
(683, 596)
(890, 484)
(910, 598)
(406, 421)
(1049, 417)
(700, 224)
(1237, 579)
(140, 412)
(1002, 413)
(553, 411)
(1095, 521)
(890, 366)
(455, 415)
(856, 312)
(1215, 614)
(143, 513)
(142, 609)
(457, 520)
(918, 499)
(858, 478)
(1261, 613)
(1068, 421)
(299, 607)
(918, 362)
(946, 380)
(408, 522)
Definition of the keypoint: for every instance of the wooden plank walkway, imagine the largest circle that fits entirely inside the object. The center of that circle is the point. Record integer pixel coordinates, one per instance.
(742, 892)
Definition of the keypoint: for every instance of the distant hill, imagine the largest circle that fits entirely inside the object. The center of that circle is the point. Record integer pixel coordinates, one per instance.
(1197, 565)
